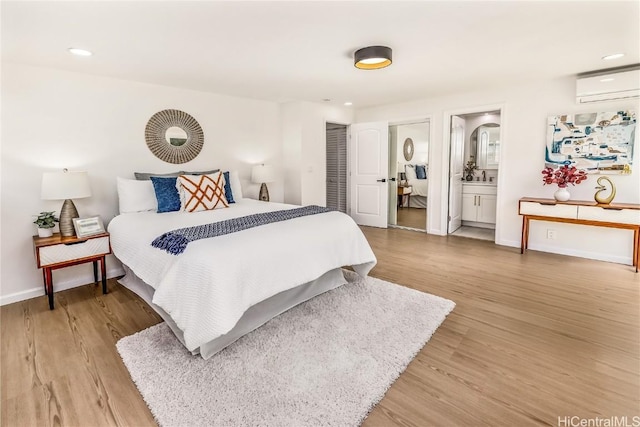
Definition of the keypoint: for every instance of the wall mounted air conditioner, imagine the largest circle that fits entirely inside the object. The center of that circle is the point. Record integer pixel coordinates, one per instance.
(608, 86)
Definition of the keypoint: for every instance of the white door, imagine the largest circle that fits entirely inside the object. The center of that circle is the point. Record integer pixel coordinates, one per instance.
(456, 173)
(369, 168)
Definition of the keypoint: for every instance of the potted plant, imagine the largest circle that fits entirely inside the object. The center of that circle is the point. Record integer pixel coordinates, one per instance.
(470, 168)
(563, 176)
(45, 222)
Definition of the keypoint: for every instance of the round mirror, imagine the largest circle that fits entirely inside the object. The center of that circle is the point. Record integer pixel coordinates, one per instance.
(174, 136)
(407, 149)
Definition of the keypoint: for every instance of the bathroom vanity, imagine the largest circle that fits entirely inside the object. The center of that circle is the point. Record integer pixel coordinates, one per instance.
(479, 204)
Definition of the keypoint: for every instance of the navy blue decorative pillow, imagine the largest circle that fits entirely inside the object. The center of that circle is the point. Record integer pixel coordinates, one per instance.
(227, 188)
(421, 172)
(166, 194)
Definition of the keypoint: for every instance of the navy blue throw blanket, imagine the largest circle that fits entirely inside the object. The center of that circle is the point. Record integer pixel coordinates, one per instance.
(176, 241)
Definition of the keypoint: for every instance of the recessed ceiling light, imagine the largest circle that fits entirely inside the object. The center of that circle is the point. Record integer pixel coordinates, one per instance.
(80, 52)
(608, 79)
(348, 103)
(613, 56)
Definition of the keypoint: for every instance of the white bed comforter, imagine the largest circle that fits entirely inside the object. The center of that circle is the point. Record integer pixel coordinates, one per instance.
(207, 288)
(419, 187)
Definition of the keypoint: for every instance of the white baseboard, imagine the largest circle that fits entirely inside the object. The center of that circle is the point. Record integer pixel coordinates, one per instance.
(57, 286)
(571, 252)
(511, 243)
(582, 254)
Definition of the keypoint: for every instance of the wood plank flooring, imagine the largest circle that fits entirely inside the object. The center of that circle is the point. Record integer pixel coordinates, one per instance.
(412, 218)
(532, 338)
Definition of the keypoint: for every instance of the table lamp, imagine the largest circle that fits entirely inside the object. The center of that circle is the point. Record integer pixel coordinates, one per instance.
(262, 174)
(65, 186)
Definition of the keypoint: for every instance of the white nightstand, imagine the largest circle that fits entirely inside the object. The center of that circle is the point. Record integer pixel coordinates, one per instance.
(402, 193)
(58, 252)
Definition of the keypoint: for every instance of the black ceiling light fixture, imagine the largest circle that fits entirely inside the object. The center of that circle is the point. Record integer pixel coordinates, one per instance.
(372, 57)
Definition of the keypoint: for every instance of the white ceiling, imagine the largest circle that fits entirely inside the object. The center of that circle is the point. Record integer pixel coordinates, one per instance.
(285, 51)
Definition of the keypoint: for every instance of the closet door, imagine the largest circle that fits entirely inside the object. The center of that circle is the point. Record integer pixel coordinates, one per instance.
(336, 167)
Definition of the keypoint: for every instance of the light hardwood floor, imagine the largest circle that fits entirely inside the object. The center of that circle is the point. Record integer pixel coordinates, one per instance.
(532, 338)
(412, 218)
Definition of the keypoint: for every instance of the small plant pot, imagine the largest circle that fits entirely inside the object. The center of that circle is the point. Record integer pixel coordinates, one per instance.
(45, 232)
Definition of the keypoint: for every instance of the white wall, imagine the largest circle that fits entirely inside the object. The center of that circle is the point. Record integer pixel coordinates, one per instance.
(55, 119)
(419, 134)
(524, 118)
(305, 149)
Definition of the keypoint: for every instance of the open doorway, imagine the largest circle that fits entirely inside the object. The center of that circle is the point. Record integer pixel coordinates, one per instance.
(474, 164)
(409, 164)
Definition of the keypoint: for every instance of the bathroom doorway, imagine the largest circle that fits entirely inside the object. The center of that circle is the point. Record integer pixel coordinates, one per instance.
(474, 165)
(409, 165)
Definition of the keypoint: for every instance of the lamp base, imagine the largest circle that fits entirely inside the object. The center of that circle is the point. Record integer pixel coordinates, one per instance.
(264, 193)
(67, 213)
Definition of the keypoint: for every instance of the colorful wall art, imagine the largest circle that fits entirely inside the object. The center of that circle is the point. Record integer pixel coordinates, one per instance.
(596, 142)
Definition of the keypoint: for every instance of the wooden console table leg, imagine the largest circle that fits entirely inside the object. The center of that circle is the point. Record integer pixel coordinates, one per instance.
(524, 239)
(49, 283)
(103, 272)
(636, 247)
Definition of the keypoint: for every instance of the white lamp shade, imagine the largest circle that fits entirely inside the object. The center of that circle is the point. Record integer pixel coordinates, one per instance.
(65, 185)
(262, 174)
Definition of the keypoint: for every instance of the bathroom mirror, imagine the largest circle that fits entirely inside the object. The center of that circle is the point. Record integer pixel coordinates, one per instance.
(486, 140)
(174, 136)
(407, 149)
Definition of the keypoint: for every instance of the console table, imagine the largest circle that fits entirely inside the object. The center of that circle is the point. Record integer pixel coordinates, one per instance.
(614, 215)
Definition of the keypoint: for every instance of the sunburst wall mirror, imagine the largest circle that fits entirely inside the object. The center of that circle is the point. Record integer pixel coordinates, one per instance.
(407, 149)
(174, 136)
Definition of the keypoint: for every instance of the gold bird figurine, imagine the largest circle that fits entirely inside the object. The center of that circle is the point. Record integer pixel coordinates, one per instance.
(601, 187)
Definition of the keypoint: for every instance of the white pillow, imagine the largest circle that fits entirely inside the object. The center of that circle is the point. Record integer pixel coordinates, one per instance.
(236, 187)
(136, 196)
(410, 171)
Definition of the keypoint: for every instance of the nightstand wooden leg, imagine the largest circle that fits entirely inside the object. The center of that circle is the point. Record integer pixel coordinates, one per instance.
(49, 279)
(95, 272)
(103, 272)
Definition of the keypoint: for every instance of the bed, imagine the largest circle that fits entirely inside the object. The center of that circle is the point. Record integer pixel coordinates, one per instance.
(223, 287)
(419, 189)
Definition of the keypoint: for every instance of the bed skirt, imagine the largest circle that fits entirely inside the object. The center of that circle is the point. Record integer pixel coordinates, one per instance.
(418, 202)
(253, 318)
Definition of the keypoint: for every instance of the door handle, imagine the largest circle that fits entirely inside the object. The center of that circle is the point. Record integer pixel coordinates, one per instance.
(382, 180)
(392, 179)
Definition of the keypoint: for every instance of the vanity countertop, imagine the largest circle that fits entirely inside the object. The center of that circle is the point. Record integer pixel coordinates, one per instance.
(482, 183)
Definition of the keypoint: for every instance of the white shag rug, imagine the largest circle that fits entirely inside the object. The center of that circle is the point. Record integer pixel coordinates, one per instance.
(325, 362)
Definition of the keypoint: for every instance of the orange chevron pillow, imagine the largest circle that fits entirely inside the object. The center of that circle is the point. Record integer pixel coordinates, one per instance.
(201, 192)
